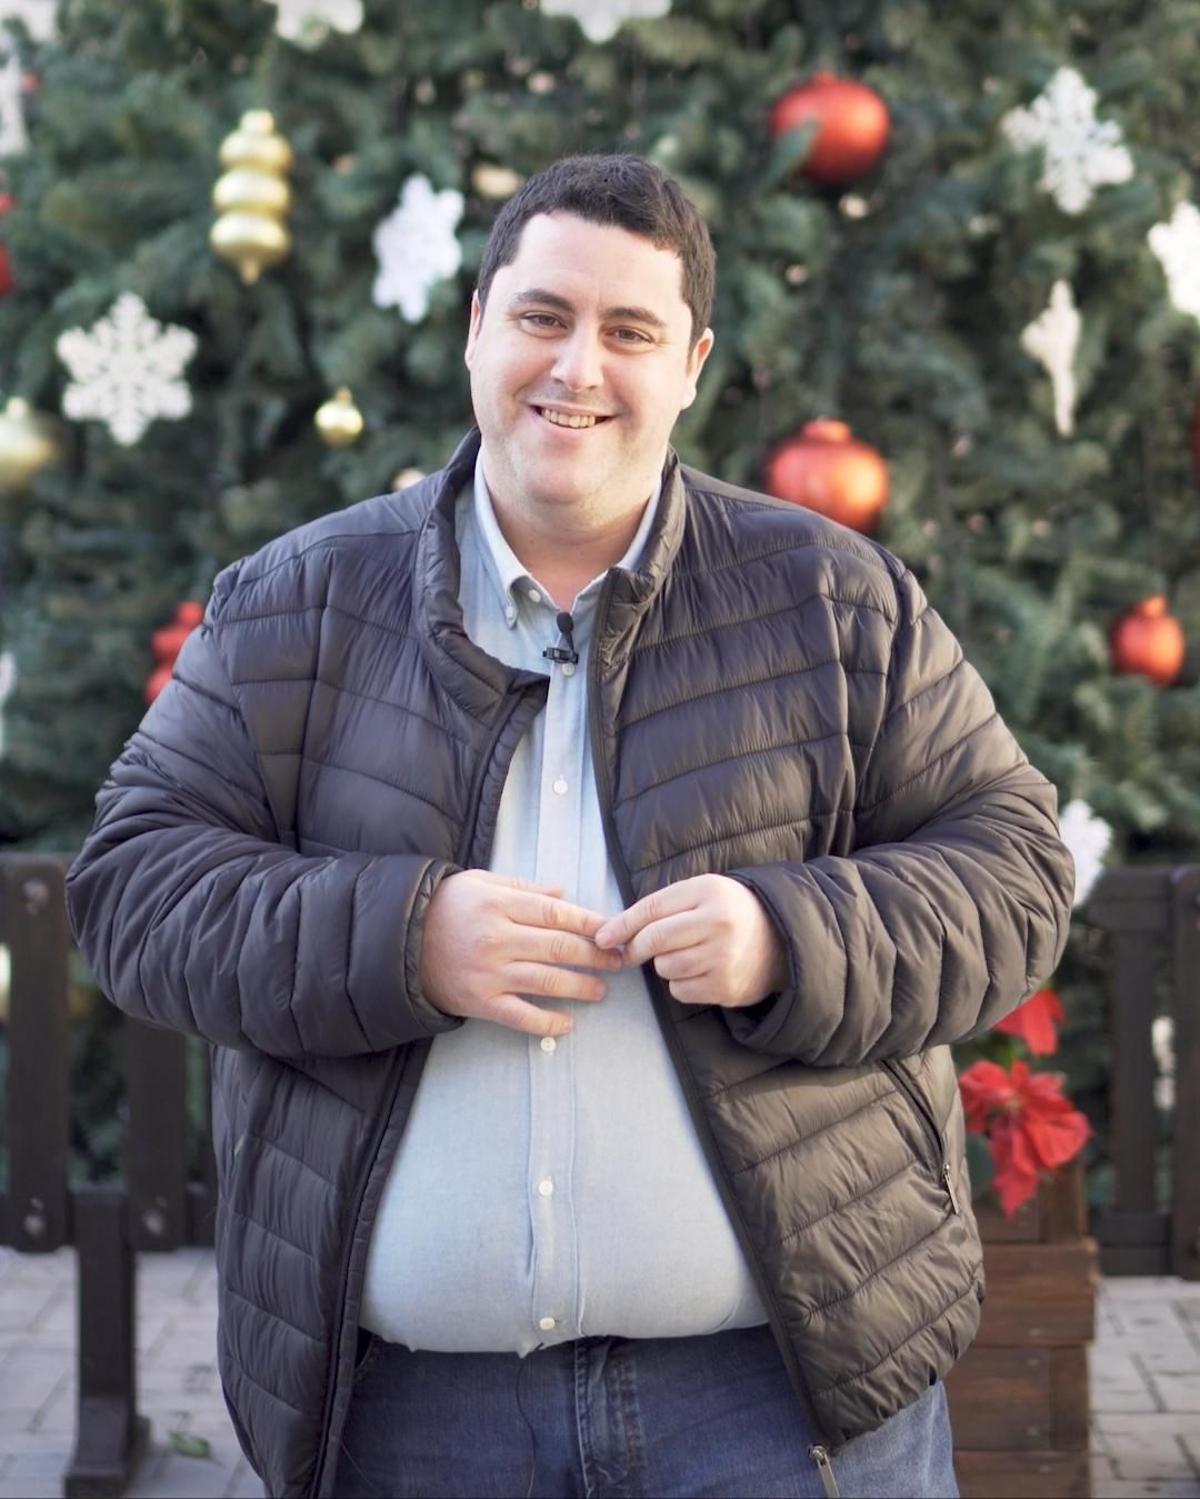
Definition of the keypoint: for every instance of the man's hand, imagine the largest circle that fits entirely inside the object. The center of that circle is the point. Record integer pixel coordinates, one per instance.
(489, 939)
(709, 937)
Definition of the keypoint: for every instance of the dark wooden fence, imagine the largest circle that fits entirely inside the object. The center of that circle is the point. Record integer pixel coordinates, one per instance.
(166, 1196)
(1152, 921)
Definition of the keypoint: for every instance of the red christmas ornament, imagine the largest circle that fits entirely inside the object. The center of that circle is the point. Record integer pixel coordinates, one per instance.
(853, 126)
(1148, 642)
(168, 642)
(6, 275)
(827, 470)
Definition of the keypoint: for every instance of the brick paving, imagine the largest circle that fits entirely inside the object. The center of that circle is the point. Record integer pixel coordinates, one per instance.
(1145, 1383)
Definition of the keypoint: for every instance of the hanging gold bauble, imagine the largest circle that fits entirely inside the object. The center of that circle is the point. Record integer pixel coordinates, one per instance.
(492, 181)
(339, 421)
(253, 197)
(29, 443)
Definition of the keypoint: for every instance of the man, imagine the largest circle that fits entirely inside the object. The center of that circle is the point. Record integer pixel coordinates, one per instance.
(580, 867)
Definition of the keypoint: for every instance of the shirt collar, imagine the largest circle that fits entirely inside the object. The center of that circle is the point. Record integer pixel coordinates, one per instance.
(507, 570)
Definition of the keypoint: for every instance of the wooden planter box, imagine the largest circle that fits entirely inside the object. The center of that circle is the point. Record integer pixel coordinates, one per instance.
(1019, 1397)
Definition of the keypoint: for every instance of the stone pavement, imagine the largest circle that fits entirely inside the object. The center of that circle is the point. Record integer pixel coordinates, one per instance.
(1145, 1383)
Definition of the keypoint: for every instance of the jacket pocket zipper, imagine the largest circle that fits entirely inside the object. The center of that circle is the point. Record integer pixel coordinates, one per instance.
(942, 1168)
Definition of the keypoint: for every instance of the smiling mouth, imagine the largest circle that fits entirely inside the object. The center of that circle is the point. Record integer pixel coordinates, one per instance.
(573, 423)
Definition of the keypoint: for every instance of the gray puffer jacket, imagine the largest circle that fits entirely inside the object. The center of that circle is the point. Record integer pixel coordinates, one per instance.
(770, 697)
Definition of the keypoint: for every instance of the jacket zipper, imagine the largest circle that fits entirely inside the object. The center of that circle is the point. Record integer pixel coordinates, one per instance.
(395, 1078)
(819, 1448)
(942, 1168)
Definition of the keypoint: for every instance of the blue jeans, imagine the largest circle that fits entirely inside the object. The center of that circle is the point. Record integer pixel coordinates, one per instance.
(617, 1418)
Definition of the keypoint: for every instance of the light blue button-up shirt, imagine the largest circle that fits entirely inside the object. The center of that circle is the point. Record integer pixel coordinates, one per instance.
(550, 1189)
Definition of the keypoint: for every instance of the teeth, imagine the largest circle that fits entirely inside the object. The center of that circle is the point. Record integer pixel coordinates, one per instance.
(560, 420)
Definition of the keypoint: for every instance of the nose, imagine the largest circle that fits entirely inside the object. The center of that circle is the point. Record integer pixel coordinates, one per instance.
(578, 363)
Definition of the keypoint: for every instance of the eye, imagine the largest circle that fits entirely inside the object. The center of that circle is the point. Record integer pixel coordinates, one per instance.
(533, 317)
(637, 337)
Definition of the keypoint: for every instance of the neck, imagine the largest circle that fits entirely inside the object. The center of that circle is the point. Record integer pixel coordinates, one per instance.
(562, 547)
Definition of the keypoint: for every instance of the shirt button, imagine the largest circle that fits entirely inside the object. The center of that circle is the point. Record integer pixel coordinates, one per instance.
(545, 1187)
(546, 1323)
(568, 669)
(548, 1043)
(533, 596)
(560, 787)
(510, 614)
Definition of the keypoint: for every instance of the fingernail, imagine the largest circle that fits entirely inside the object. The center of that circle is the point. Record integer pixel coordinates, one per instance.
(603, 937)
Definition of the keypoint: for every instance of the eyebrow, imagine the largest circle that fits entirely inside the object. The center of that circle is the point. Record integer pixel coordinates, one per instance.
(552, 299)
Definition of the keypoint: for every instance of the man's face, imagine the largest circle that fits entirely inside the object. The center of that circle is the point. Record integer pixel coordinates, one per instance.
(587, 318)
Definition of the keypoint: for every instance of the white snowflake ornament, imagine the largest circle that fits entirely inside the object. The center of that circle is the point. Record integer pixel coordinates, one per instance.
(417, 247)
(1052, 339)
(38, 17)
(309, 22)
(1088, 837)
(1081, 153)
(14, 140)
(1177, 245)
(8, 680)
(600, 20)
(126, 370)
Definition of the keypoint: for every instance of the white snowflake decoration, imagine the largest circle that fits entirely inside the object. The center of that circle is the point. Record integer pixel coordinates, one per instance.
(8, 680)
(1081, 153)
(14, 141)
(308, 22)
(126, 370)
(1088, 837)
(417, 247)
(37, 15)
(602, 19)
(1052, 339)
(1177, 245)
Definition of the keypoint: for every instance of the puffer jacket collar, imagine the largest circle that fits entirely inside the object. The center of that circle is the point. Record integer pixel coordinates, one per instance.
(476, 680)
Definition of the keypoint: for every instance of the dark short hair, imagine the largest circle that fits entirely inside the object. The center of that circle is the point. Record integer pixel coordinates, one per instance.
(624, 190)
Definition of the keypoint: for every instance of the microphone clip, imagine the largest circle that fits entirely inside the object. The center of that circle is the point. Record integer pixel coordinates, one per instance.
(558, 653)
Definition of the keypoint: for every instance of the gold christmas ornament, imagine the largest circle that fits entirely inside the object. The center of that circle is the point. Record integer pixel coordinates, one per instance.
(29, 443)
(339, 421)
(253, 197)
(492, 181)
(407, 476)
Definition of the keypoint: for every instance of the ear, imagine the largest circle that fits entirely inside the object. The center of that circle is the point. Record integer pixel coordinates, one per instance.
(473, 330)
(704, 347)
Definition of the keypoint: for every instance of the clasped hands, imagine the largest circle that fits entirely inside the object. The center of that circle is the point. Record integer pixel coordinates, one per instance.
(490, 939)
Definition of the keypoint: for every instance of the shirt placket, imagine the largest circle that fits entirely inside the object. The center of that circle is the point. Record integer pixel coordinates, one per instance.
(552, 1060)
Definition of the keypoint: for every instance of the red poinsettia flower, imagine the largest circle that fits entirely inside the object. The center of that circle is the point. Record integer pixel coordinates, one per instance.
(1034, 1022)
(1030, 1126)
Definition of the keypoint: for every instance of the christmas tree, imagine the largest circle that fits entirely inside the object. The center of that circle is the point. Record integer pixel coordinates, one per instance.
(972, 244)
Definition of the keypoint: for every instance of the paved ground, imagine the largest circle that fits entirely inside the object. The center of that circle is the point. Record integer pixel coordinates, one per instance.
(1145, 1383)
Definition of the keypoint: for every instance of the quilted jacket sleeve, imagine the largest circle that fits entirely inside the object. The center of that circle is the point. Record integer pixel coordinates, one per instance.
(194, 916)
(956, 902)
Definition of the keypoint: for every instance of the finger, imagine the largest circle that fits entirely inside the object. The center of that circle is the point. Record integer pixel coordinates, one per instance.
(555, 983)
(687, 963)
(519, 1015)
(530, 909)
(695, 991)
(563, 950)
(682, 896)
(666, 935)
